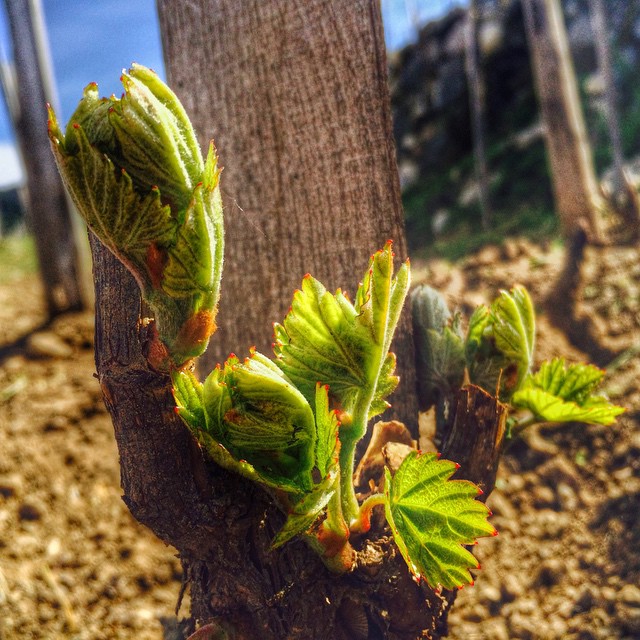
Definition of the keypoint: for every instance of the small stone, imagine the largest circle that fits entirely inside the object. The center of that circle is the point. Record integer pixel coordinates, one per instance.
(523, 627)
(489, 593)
(511, 588)
(54, 547)
(11, 485)
(630, 595)
(488, 255)
(561, 470)
(510, 249)
(557, 627)
(585, 599)
(29, 511)
(496, 629)
(567, 497)
(477, 613)
(543, 497)
(501, 506)
(45, 344)
(512, 484)
(27, 544)
(550, 572)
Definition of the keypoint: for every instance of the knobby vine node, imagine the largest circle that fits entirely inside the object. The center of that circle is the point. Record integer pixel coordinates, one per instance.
(290, 422)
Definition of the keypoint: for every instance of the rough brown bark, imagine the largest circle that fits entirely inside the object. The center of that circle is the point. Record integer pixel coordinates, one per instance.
(476, 437)
(573, 176)
(48, 211)
(295, 95)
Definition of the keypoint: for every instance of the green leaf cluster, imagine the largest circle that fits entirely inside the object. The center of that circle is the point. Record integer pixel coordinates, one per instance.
(497, 354)
(326, 338)
(271, 421)
(134, 169)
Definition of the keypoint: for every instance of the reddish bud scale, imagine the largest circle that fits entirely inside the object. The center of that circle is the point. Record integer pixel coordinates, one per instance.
(495, 533)
(196, 330)
(480, 492)
(76, 125)
(156, 260)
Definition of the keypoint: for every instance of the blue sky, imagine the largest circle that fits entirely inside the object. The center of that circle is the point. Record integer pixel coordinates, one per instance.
(92, 40)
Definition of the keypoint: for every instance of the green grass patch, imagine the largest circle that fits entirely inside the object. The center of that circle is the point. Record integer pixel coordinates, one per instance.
(17, 257)
(520, 193)
(466, 238)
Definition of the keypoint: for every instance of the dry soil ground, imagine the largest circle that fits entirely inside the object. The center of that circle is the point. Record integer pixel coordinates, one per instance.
(74, 563)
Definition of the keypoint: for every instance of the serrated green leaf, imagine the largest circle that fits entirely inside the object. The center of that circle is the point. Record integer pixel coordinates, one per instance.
(126, 222)
(513, 325)
(440, 358)
(326, 339)
(561, 393)
(327, 425)
(432, 518)
(187, 392)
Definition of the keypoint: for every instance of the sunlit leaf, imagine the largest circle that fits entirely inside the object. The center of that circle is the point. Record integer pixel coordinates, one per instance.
(327, 339)
(307, 510)
(256, 415)
(561, 393)
(513, 324)
(433, 517)
(327, 424)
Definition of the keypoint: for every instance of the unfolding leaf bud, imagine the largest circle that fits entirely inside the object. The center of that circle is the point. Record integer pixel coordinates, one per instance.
(135, 172)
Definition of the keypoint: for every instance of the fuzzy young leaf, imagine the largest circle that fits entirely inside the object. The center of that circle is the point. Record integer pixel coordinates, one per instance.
(432, 517)
(561, 393)
(478, 324)
(440, 357)
(134, 169)
(513, 324)
(327, 425)
(500, 341)
(310, 507)
(327, 339)
(257, 416)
